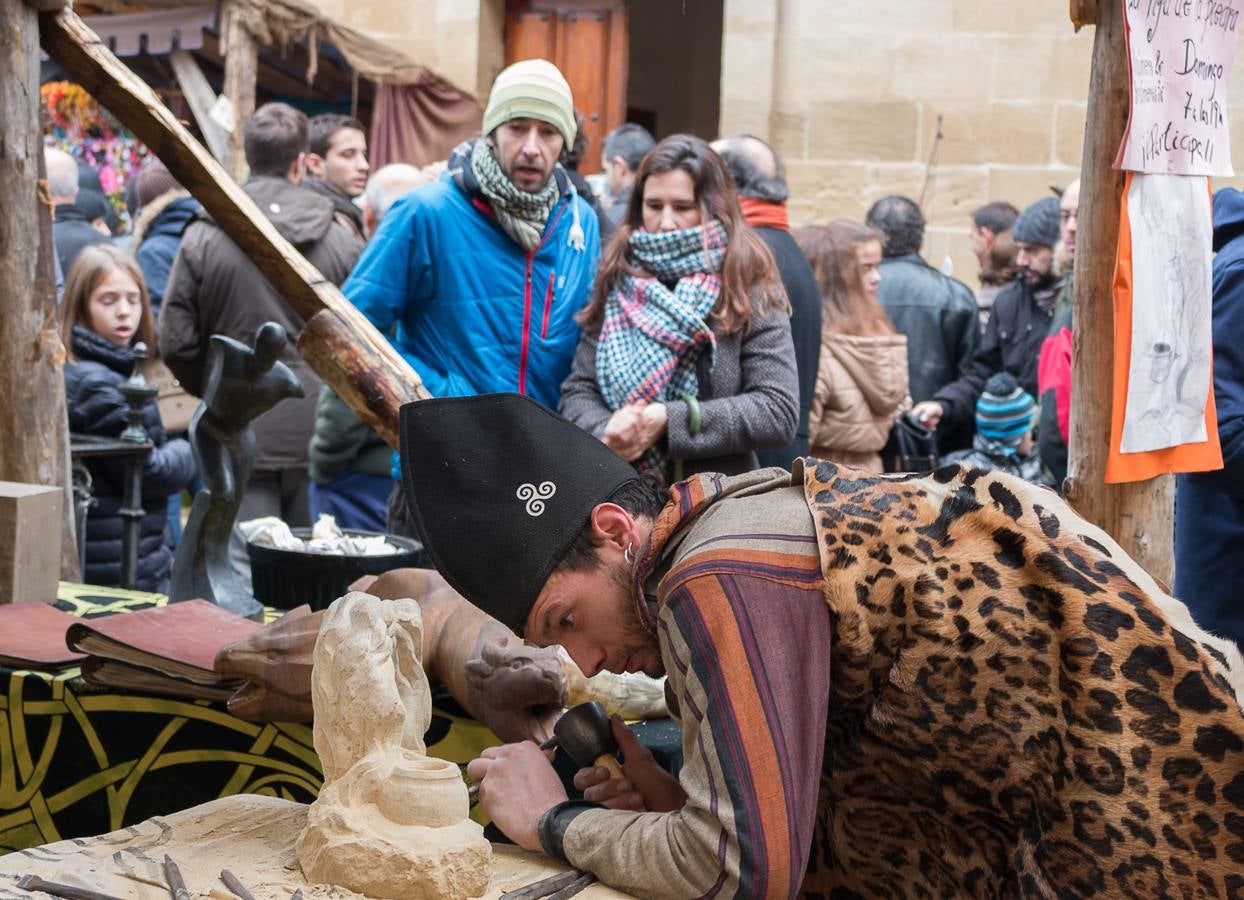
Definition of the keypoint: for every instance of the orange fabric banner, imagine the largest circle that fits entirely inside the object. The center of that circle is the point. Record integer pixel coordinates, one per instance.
(1204, 456)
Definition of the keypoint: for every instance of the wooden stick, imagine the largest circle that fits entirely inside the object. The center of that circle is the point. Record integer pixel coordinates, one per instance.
(232, 883)
(352, 357)
(175, 882)
(68, 891)
(543, 887)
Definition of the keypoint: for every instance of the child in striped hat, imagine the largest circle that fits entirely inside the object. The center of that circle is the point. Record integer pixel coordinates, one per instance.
(1005, 414)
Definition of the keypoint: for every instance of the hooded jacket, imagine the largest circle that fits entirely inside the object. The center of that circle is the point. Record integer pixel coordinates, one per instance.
(350, 212)
(860, 384)
(214, 288)
(97, 407)
(157, 235)
(1209, 506)
(474, 312)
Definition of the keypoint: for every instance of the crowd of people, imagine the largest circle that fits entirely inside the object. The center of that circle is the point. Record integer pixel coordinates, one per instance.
(671, 311)
(688, 336)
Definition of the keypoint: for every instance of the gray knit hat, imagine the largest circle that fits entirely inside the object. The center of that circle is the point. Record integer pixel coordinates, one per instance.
(1038, 224)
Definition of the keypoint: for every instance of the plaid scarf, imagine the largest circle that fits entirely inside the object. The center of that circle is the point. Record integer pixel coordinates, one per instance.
(653, 336)
(521, 215)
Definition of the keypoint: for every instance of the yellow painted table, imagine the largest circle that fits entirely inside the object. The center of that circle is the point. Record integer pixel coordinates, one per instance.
(79, 760)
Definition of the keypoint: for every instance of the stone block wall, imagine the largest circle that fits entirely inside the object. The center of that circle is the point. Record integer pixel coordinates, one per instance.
(850, 92)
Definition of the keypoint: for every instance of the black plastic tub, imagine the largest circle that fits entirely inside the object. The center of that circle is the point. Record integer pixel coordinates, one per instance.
(289, 578)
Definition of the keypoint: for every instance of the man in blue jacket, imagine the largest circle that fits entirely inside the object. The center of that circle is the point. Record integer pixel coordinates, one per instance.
(1209, 506)
(479, 276)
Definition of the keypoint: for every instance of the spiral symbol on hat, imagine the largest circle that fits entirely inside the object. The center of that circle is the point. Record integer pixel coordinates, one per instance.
(534, 496)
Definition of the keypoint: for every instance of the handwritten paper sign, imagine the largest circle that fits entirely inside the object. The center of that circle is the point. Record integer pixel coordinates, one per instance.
(1180, 53)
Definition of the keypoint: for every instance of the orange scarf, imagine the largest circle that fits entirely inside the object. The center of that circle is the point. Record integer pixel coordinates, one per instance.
(764, 213)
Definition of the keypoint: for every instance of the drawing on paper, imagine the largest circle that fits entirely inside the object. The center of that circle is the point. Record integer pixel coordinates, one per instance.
(1169, 377)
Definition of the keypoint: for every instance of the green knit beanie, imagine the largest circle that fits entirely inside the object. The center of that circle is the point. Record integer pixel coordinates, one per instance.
(531, 89)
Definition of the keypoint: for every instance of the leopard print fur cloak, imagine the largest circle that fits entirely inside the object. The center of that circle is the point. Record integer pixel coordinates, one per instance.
(1017, 709)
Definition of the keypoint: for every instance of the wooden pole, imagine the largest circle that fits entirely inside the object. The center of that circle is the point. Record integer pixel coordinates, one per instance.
(1140, 516)
(345, 350)
(201, 97)
(34, 439)
(241, 69)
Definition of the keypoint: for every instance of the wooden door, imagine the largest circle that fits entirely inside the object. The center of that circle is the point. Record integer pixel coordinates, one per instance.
(587, 40)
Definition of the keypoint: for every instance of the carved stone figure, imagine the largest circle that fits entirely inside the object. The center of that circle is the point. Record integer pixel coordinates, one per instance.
(242, 383)
(390, 821)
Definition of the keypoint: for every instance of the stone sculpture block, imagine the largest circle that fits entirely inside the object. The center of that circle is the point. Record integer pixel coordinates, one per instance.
(390, 821)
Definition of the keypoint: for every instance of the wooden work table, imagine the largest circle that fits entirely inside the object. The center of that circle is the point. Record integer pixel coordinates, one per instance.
(250, 835)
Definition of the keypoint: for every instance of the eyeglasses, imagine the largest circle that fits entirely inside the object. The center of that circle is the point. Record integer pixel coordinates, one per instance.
(1066, 215)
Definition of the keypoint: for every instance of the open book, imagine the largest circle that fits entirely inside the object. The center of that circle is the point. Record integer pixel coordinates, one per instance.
(166, 649)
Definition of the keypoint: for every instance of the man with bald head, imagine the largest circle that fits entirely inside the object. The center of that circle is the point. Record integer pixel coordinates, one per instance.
(760, 179)
(70, 229)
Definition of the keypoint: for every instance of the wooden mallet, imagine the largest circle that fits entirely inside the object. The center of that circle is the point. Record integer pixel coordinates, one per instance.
(585, 734)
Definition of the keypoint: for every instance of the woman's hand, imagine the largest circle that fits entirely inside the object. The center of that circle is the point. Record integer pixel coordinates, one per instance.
(655, 418)
(517, 785)
(646, 788)
(625, 432)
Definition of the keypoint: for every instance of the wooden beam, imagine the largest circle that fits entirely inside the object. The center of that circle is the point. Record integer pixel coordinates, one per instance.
(1140, 516)
(200, 96)
(345, 350)
(34, 438)
(241, 69)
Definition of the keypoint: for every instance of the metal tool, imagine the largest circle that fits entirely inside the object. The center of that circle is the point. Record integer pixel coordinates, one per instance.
(176, 883)
(585, 734)
(555, 887)
(69, 892)
(232, 883)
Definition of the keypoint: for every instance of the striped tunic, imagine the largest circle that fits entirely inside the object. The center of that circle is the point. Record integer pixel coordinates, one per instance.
(733, 588)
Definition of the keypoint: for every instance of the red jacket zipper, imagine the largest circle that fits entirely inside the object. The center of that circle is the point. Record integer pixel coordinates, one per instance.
(526, 343)
(548, 307)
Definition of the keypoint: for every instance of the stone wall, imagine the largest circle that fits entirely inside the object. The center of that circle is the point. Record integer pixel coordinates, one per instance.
(850, 91)
(460, 40)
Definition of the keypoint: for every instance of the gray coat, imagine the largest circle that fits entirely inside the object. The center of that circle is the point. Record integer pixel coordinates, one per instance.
(749, 402)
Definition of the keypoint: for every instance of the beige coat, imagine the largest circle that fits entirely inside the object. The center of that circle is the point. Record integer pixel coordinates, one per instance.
(860, 384)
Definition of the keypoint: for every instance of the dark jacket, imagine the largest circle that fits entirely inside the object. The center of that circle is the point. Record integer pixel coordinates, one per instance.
(938, 316)
(1011, 343)
(214, 289)
(70, 233)
(1209, 506)
(349, 210)
(97, 407)
(157, 235)
(342, 442)
(748, 401)
(805, 332)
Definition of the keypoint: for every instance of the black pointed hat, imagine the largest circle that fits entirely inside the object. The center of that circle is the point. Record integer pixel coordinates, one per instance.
(500, 487)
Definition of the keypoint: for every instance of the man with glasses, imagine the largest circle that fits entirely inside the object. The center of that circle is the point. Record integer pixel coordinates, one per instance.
(1054, 366)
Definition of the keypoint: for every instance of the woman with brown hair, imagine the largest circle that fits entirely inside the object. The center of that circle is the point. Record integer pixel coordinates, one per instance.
(685, 363)
(861, 384)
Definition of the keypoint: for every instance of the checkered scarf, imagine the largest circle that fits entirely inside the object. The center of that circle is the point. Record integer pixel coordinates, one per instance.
(652, 336)
(521, 214)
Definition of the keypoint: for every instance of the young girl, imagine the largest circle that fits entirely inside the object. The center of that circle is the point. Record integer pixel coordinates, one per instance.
(103, 312)
(862, 377)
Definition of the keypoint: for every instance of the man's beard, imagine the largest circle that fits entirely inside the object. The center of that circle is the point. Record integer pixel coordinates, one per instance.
(1038, 280)
(636, 639)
